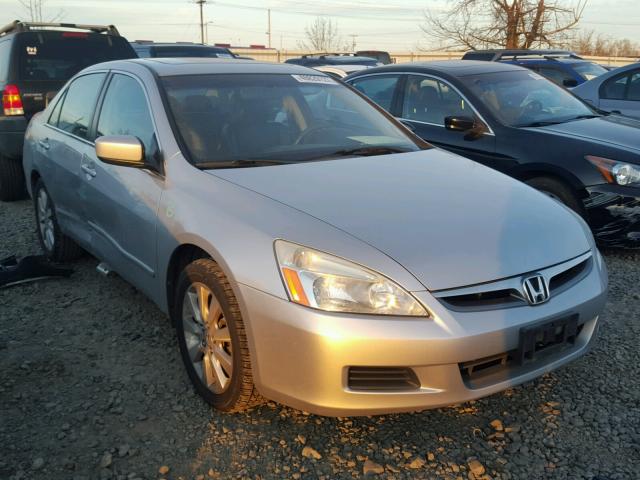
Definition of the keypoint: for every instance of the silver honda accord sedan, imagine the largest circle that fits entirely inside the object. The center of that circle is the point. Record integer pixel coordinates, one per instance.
(309, 248)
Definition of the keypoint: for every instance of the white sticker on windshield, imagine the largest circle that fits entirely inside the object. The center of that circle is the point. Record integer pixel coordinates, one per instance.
(314, 79)
(535, 76)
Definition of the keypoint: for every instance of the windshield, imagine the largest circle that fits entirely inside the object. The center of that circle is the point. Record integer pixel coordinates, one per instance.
(287, 118)
(522, 98)
(589, 70)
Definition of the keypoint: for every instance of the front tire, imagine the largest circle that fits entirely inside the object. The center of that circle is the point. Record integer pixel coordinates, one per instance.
(56, 246)
(212, 338)
(557, 190)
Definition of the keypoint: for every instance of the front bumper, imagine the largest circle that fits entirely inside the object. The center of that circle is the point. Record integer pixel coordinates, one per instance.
(614, 215)
(301, 356)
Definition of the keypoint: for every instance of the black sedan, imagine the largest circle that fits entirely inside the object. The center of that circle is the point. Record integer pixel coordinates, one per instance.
(516, 121)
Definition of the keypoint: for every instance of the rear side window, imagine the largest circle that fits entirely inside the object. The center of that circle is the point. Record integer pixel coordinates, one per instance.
(5, 56)
(79, 104)
(125, 112)
(615, 88)
(633, 93)
(57, 56)
(380, 88)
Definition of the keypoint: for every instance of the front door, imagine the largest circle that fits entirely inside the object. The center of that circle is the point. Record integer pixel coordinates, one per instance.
(121, 202)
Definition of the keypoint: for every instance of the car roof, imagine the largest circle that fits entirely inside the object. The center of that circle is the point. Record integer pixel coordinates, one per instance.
(455, 68)
(167, 67)
(177, 45)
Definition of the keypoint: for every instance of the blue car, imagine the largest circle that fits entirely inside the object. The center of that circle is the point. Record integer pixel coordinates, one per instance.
(561, 67)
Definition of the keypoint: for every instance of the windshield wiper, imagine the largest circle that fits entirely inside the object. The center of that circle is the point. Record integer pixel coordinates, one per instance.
(583, 117)
(545, 123)
(240, 164)
(364, 151)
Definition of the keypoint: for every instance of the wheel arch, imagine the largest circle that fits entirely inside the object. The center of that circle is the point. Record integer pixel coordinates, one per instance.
(533, 170)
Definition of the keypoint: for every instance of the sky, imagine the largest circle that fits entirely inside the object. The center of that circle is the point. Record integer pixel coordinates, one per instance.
(392, 25)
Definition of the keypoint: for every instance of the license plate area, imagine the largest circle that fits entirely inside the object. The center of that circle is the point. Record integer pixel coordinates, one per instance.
(544, 339)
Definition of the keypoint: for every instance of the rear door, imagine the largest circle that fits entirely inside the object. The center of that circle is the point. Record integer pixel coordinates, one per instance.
(121, 202)
(61, 148)
(621, 93)
(45, 60)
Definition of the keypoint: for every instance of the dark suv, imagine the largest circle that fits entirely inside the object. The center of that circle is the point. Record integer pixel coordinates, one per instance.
(36, 60)
(560, 66)
(148, 48)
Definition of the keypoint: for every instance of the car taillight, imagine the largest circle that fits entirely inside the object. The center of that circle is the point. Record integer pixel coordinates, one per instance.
(11, 101)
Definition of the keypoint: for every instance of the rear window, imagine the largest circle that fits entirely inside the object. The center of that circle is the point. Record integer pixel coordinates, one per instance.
(57, 56)
(5, 54)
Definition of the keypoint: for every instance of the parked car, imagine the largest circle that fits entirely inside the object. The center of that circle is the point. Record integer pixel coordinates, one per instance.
(617, 91)
(561, 67)
(382, 56)
(306, 245)
(340, 71)
(516, 121)
(317, 60)
(148, 48)
(36, 59)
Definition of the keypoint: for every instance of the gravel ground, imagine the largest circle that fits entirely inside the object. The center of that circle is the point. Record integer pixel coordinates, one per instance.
(92, 386)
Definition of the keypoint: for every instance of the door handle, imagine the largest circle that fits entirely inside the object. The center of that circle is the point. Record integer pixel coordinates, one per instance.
(88, 170)
(44, 143)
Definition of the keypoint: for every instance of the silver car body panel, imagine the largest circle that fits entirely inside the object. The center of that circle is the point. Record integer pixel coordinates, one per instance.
(428, 220)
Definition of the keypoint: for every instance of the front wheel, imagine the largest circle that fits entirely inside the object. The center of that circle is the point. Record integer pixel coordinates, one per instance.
(559, 191)
(212, 338)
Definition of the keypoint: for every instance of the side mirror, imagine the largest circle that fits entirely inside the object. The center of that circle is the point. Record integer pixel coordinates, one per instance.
(570, 83)
(459, 124)
(123, 150)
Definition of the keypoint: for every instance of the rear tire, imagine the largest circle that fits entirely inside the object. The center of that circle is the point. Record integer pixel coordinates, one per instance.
(212, 338)
(11, 179)
(558, 190)
(55, 245)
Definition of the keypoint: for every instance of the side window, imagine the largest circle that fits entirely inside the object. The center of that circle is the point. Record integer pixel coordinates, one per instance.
(79, 104)
(125, 112)
(429, 100)
(633, 92)
(614, 88)
(54, 118)
(5, 56)
(555, 75)
(378, 88)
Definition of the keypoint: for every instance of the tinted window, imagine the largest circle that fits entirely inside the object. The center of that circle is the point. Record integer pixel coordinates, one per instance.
(429, 100)
(195, 51)
(55, 114)
(60, 55)
(275, 117)
(125, 112)
(589, 70)
(633, 93)
(79, 103)
(615, 88)
(556, 75)
(379, 88)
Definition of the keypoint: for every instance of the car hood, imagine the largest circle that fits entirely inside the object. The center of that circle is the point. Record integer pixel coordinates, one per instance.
(449, 221)
(614, 130)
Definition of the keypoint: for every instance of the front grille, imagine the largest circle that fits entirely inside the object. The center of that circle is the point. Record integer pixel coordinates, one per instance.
(508, 292)
(382, 379)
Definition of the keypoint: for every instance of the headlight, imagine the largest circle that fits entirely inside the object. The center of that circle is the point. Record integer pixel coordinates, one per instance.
(319, 280)
(619, 173)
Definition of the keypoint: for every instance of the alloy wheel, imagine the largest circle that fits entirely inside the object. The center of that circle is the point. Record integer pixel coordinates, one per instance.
(45, 220)
(207, 337)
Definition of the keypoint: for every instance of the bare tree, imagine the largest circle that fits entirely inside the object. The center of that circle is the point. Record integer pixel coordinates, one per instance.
(587, 42)
(504, 23)
(35, 10)
(322, 35)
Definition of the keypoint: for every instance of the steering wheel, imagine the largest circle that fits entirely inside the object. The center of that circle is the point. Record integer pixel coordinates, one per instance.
(309, 131)
(533, 107)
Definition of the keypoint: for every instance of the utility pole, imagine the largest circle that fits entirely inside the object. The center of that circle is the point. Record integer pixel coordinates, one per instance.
(353, 41)
(201, 5)
(269, 26)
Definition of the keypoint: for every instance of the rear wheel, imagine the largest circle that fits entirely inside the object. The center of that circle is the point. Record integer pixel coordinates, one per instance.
(54, 243)
(212, 338)
(559, 191)
(11, 179)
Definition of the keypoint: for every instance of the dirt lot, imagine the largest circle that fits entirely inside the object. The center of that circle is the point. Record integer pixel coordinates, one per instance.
(92, 386)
